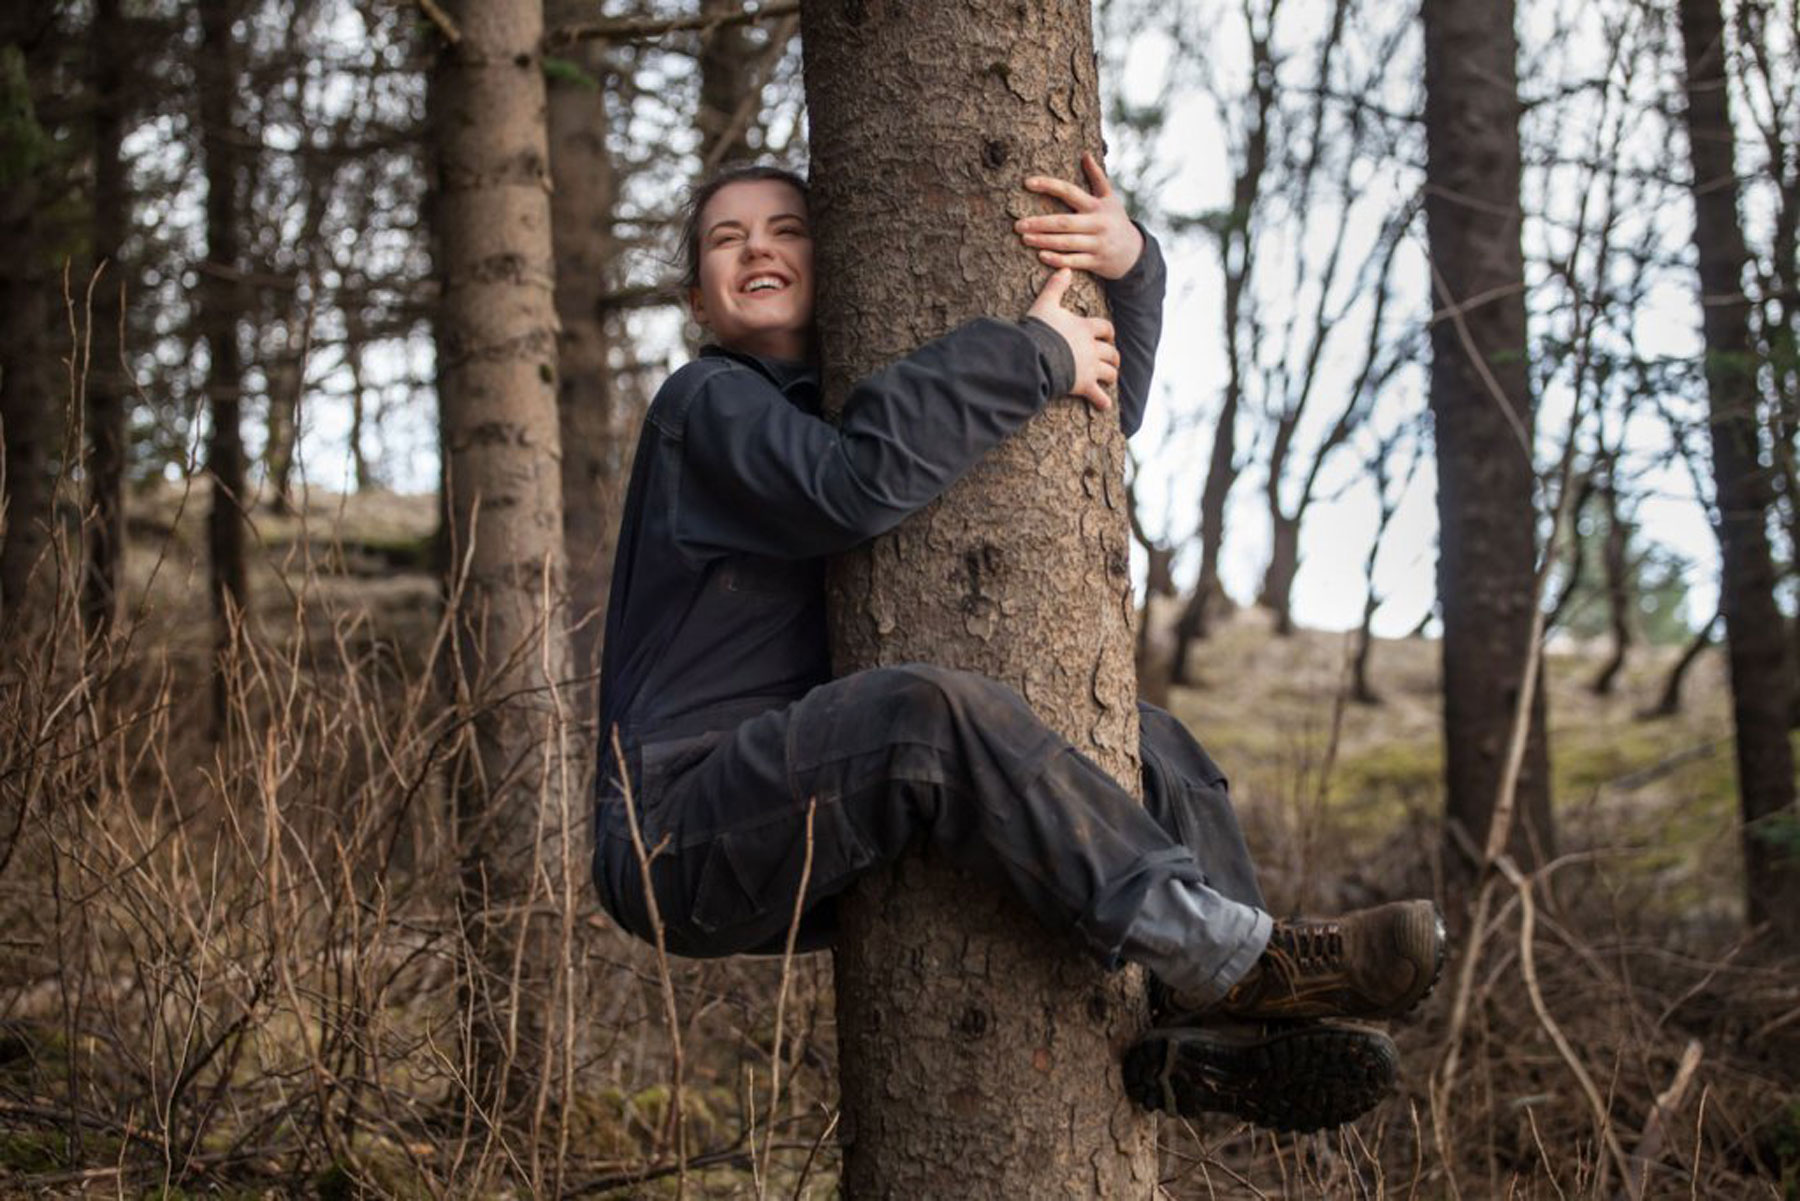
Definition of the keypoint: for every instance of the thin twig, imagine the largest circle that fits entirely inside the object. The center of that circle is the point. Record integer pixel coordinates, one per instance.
(437, 16)
(1649, 1146)
(671, 1012)
(781, 993)
(1528, 969)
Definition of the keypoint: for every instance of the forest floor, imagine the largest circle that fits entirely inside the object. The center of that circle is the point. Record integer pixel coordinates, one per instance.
(232, 969)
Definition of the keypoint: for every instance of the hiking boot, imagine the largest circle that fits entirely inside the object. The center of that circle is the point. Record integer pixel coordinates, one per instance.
(1302, 1077)
(1374, 963)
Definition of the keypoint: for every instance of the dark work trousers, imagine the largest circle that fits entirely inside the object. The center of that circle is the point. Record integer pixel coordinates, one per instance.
(895, 756)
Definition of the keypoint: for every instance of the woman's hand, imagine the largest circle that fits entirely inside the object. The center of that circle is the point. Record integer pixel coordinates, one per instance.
(1090, 340)
(1096, 236)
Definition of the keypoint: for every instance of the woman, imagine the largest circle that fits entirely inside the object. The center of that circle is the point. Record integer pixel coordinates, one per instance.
(717, 683)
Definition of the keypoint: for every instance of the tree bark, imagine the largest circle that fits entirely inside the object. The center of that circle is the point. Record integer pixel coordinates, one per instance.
(725, 81)
(221, 306)
(1482, 408)
(1669, 703)
(283, 369)
(1758, 647)
(108, 385)
(979, 1051)
(1284, 564)
(1152, 668)
(596, 441)
(1614, 558)
(496, 335)
(30, 397)
(355, 340)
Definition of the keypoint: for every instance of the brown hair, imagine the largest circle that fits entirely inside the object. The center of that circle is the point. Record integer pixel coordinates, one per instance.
(696, 205)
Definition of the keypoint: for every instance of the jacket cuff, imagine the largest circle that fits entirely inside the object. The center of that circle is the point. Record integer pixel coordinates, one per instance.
(1148, 271)
(1054, 350)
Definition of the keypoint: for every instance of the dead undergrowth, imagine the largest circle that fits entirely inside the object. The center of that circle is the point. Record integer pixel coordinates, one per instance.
(236, 967)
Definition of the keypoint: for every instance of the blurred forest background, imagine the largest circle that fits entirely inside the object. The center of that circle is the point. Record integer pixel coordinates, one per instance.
(294, 754)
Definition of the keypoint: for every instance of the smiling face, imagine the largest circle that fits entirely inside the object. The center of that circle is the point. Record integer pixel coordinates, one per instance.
(756, 269)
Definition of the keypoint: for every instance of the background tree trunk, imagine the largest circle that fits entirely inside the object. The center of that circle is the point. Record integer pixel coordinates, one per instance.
(283, 368)
(1762, 673)
(31, 399)
(595, 444)
(1284, 564)
(1237, 247)
(726, 71)
(496, 334)
(979, 1052)
(1482, 409)
(108, 387)
(355, 339)
(221, 306)
(1614, 558)
(1668, 703)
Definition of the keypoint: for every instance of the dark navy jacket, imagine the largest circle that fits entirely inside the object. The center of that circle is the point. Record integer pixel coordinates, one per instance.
(740, 489)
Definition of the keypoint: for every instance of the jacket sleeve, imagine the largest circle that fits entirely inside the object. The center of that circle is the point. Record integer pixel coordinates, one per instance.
(1136, 300)
(762, 477)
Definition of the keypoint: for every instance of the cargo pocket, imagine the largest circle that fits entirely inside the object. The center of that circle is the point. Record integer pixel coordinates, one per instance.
(662, 763)
(751, 874)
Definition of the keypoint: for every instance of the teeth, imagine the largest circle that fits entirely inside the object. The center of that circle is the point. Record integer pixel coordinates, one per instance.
(762, 285)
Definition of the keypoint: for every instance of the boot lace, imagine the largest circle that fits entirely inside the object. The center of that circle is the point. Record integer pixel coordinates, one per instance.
(1311, 945)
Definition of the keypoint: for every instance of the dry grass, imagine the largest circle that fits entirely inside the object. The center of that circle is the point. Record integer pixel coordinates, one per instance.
(236, 967)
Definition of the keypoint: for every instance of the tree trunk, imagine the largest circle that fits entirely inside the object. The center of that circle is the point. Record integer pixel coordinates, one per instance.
(1284, 564)
(221, 306)
(1577, 550)
(1236, 256)
(1152, 664)
(30, 397)
(1762, 671)
(355, 339)
(1669, 703)
(1614, 559)
(496, 337)
(595, 442)
(283, 371)
(108, 386)
(1361, 690)
(725, 85)
(979, 1051)
(1482, 408)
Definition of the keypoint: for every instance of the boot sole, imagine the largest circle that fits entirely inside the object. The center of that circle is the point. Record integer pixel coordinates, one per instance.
(1422, 927)
(1298, 1079)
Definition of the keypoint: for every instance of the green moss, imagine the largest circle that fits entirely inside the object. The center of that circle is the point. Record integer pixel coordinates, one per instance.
(32, 1151)
(377, 1168)
(1392, 771)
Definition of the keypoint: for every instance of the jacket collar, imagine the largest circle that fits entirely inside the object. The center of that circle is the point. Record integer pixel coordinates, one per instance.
(798, 381)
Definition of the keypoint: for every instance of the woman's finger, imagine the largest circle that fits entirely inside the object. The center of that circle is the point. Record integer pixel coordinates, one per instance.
(1067, 243)
(1090, 166)
(1101, 329)
(1051, 294)
(1059, 223)
(1077, 262)
(1070, 194)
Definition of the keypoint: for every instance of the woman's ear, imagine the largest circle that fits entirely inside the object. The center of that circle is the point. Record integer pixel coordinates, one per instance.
(697, 307)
